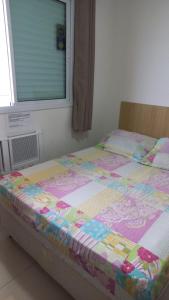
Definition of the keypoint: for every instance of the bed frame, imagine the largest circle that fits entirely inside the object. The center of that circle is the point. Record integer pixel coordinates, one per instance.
(146, 119)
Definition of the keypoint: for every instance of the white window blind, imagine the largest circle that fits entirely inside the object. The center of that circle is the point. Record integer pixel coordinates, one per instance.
(40, 67)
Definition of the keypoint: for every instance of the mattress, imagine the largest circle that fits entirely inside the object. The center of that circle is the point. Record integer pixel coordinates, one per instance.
(106, 213)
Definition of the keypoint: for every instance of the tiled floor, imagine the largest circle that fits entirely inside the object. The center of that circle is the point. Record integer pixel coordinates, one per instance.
(22, 279)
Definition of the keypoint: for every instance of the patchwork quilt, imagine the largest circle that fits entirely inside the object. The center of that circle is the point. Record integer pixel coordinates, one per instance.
(108, 214)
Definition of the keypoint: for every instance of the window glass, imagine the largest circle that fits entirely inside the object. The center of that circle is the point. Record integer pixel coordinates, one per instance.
(39, 43)
(5, 89)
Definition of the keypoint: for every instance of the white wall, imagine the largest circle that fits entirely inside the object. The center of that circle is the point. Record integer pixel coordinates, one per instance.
(146, 77)
(111, 19)
(56, 124)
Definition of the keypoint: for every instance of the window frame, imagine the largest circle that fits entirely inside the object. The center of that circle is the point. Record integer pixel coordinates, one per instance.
(15, 105)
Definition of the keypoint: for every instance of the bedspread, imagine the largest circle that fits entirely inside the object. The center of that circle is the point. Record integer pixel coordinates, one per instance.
(110, 215)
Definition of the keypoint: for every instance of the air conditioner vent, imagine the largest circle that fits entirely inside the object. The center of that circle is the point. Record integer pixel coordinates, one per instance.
(24, 149)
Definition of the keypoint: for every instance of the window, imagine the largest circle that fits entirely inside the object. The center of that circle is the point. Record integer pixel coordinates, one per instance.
(39, 55)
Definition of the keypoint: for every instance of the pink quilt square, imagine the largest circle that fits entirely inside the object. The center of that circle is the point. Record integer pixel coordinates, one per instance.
(64, 184)
(112, 162)
(130, 217)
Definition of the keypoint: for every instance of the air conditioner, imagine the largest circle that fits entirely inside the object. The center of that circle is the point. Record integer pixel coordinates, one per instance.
(19, 151)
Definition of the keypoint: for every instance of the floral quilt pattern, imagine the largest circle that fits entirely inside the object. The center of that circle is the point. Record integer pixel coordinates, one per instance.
(108, 214)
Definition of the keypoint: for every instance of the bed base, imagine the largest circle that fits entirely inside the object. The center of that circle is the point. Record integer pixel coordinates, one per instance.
(72, 278)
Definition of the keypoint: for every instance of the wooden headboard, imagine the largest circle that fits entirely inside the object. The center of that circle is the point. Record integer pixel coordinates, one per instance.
(151, 120)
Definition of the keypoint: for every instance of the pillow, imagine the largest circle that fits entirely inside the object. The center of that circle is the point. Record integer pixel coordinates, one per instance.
(159, 155)
(130, 144)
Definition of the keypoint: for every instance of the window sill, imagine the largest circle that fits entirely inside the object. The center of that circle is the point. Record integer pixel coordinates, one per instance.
(36, 105)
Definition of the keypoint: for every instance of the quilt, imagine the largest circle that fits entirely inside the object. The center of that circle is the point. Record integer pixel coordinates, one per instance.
(108, 214)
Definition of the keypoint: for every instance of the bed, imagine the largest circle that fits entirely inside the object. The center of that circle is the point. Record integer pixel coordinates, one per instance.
(89, 219)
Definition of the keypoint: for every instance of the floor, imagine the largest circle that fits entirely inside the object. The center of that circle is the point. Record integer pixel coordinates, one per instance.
(22, 279)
